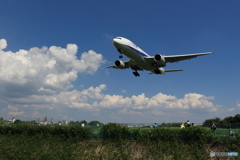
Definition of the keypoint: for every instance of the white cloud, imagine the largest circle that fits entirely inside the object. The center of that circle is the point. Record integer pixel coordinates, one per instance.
(130, 112)
(3, 43)
(93, 99)
(124, 91)
(16, 113)
(213, 109)
(51, 69)
(231, 109)
(92, 61)
(238, 104)
(60, 81)
(156, 112)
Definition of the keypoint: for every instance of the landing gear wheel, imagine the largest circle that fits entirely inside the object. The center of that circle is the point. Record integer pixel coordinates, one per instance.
(136, 74)
(157, 71)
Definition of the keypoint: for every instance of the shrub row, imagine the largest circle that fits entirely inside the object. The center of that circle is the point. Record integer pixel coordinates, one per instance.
(200, 135)
(113, 132)
(64, 132)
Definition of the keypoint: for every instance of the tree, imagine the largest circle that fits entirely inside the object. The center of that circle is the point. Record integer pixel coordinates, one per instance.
(71, 123)
(237, 118)
(95, 121)
(18, 121)
(83, 122)
(208, 122)
(1, 121)
(229, 119)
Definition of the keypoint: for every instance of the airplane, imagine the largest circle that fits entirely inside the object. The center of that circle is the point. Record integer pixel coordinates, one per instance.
(140, 60)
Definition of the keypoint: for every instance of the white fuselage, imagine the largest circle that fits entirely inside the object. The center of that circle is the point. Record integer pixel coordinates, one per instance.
(133, 52)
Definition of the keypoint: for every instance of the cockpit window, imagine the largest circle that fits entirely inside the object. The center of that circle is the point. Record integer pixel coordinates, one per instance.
(118, 37)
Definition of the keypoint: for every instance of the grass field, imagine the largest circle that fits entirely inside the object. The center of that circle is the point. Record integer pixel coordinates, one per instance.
(54, 148)
(112, 142)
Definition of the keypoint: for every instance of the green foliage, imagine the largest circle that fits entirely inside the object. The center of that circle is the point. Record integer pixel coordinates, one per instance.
(83, 122)
(1, 121)
(213, 120)
(74, 132)
(169, 124)
(34, 147)
(18, 121)
(165, 134)
(63, 132)
(41, 147)
(237, 118)
(95, 122)
(227, 122)
(114, 132)
(196, 134)
(117, 142)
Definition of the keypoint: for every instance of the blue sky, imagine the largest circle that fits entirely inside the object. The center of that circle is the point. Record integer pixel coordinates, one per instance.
(53, 55)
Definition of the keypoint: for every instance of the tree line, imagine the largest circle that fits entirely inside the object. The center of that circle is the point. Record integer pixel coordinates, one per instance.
(227, 122)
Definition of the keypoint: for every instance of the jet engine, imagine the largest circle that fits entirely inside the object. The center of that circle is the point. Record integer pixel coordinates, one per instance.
(159, 59)
(119, 64)
(159, 71)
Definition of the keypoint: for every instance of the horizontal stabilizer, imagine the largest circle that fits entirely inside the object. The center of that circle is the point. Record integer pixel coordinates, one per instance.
(173, 70)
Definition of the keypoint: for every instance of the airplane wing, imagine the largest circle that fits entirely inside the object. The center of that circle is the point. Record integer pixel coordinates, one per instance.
(128, 64)
(176, 58)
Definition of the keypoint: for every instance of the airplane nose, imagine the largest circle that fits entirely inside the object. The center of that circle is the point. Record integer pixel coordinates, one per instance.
(115, 41)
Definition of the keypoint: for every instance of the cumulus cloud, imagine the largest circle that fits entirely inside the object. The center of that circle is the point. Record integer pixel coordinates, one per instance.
(238, 104)
(44, 69)
(231, 109)
(16, 113)
(130, 112)
(94, 100)
(3, 43)
(159, 113)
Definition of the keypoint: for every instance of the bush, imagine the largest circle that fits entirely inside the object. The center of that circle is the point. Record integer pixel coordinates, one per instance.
(166, 134)
(114, 132)
(63, 132)
(196, 134)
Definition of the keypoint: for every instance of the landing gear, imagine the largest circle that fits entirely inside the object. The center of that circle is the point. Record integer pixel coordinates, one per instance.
(157, 71)
(136, 74)
(120, 51)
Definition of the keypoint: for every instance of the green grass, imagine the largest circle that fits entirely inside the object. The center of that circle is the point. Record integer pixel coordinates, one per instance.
(54, 148)
(111, 142)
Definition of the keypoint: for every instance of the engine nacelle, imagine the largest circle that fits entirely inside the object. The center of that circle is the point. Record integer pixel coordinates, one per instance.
(159, 71)
(159, 59)
(120, 64)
